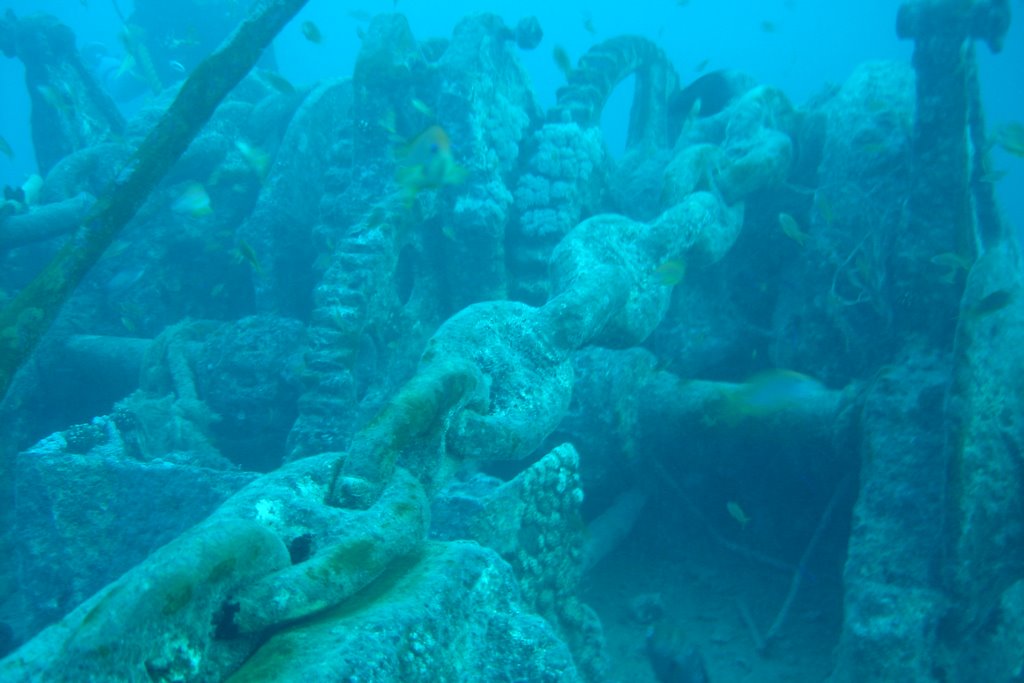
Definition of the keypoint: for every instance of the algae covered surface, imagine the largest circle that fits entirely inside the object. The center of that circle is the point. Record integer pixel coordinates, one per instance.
(488, 343)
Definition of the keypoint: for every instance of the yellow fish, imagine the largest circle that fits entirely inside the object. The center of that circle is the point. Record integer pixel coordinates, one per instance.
(694, 110)
(376, 217)
(387, 122)
(562, 60)
(670, 273)
(952, 263)
(426, 163)
(244, 253)
(771, 392)
(256, 157)
(127, 65)
(422, 107)
(141, 62)
(992, 177)
(737, 513)
(276, 81)
(1010, 136)
(193, 202)
(57, 98)
(31, 189)
(824, 206)
(792, 229)
(173, 42)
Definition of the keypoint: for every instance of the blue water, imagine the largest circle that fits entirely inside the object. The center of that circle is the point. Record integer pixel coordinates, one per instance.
(814, 44)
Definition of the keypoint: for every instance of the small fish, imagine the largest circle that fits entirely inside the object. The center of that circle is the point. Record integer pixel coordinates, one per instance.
(950, 260)
(312, 32)
(124, 279)
(58, 99)
(792, 229)
(737, 513)
(257, 158)
(376, 217)
(449, 232)
(194, 202)
(217, 290)
(126, 66)
(1010, 136)
(276, 81)
(771, 392)
(873, 148)
(670, 273)
(824, 206)
(682, 3)
(768, 26)
(176, 66)
(695, 109)
(562, 60)
(952, 263)
(422, 107)
(173, 42)
(990, 303)
(245, 253)
(388, 123)
(31, 189)
(588, 26)
(701, 65)
(141, 63)
(5, 147)
(359, 15)
(117, 248)
(992, 177)
(321, 262)
(864, 272)
(876, 104)
(426, 162)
